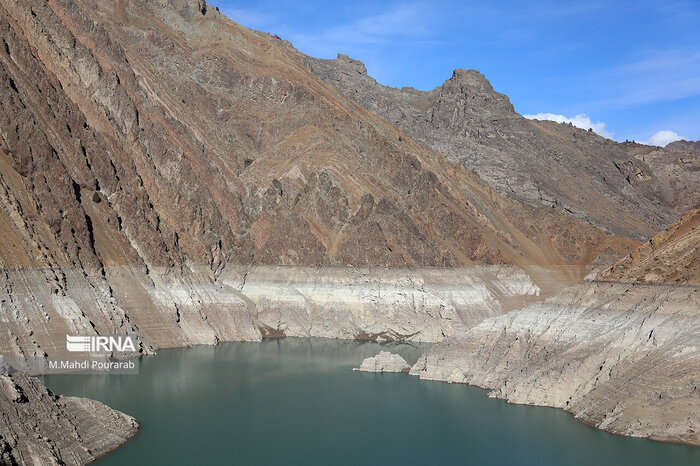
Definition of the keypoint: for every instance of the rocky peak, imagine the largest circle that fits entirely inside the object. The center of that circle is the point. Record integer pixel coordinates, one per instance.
(471, 90)
(684, 146)
(631, 190)
(350, 64)
(471, 78)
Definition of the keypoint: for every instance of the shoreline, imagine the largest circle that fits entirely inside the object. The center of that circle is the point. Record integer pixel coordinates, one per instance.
(426, 286)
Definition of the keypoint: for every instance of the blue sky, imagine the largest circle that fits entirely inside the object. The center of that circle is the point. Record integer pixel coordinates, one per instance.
(629, 69)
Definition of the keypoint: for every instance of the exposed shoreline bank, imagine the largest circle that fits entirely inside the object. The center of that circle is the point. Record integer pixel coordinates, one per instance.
(452, 308)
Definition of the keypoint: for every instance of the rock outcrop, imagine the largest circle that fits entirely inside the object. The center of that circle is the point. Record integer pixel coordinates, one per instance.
(541, 163)
(622, 357)
(384, 362)
(669, 257)
(40, 428)
(692, 147)
(249, 302)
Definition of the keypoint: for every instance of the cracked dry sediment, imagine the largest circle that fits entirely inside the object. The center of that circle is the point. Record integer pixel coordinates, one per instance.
(623, 358)
(40, 428)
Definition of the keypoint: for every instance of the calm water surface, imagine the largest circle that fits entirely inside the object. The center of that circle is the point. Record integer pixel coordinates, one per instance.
(298, 402)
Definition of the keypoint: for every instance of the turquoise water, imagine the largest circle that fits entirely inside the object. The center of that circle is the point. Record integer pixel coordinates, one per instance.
(298, 402)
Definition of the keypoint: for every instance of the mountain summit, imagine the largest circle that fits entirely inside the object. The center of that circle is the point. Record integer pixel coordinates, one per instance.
(541, 163)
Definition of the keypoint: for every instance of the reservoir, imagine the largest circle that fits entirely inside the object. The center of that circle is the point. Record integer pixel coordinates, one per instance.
(298, 401)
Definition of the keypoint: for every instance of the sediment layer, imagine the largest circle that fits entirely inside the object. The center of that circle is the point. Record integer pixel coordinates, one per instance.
(164, 309)
(623, 358)
(40, 428)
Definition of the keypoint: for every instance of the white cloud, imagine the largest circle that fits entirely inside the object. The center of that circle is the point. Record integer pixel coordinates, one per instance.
(581, 120)
(663, 137)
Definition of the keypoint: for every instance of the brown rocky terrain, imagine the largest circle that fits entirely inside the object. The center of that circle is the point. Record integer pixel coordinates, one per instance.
(151, 151)
(40, 428)
(541, 163)
(149, 146)
(139, 133)
(669, 257)
(684, 146)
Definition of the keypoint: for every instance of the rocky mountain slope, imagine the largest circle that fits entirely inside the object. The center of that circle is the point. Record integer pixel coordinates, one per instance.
(146, 147)
(669, 257)
(151, 151)
(541, 163)
(692, 147)
(40, 428)
(624, 357)
(162, 133)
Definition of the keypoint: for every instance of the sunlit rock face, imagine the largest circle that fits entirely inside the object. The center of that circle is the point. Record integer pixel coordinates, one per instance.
(384, 362)
(672, 256)
(622, 357)
(41, 428)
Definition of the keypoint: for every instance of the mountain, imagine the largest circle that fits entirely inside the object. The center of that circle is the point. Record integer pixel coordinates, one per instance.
(692, 147)
(135, 133)
(167, 173)
(540, 163)
(672, 256)
(148, 150)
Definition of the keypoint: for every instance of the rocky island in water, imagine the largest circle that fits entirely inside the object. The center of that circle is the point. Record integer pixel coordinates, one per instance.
(168, 174)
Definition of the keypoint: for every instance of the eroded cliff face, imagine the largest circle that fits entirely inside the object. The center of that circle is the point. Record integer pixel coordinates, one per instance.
(623, 358)
(40, 428)
(541, 163)
(246, 303)
(672, 256)
(620, 355)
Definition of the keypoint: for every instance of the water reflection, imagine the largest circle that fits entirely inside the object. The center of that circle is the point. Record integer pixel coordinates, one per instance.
(298, 402)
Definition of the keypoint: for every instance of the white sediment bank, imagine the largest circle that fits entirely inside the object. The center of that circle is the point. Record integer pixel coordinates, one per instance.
(621, 357)
(175, 308)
